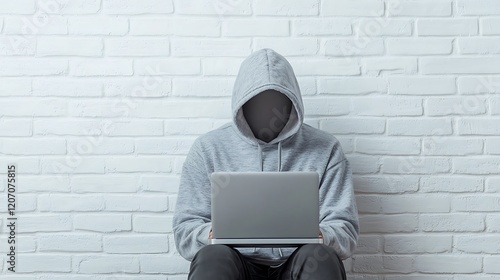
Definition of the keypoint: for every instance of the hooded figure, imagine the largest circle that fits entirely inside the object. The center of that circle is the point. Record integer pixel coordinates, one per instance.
(267, 133)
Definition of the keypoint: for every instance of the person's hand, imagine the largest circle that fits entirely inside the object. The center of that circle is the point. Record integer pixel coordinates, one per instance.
(210, 234)
(320, 234)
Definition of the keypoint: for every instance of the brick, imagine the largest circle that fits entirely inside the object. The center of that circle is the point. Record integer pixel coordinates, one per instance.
(352, 8)
(364, 164)
(170, 66)
(479, 46)
(29, 201)
(478, 126)
(97, 183)
(208, 7)
(68, 202)
(354, 47)
(477, 244)
(248, 28)
(154, 224)
(470, 105)
(138, 87)
(168, 146)
(493, 146)
(376, 66)
(417, 244)
(67, 127)
(383, 27)
(452, 147)
(396, 204)
(415, 165)
(135, 46)
(491, 264)
(155, 263)
(24, 164)
(490, 26)
(139, 164)
(368, 245)
(420, 8)
(165, 26)
(133, 244)
(15, 127)
(352, 85)
(75, 7)
(45, 223)
(478, 7)
(474, 203)
(134, 7)
(325, 67)
(171, 109)
(127, 203)
(15, 87)
(172, 200)
(157, 183)
(460, 65)
(43, 262)
(353, 125)
(493, 184)
(103, 222)
(327, 106)
(447, 27)
(33, 66)
(66, 87)
(382, 265)
(69, 46)
(388, 223)
(43, 183)
(202, 87)
(101, 67)
(17, 7)
(32, 25)
(493, 223)
(282, 8)
(385, 146)
(95, 25)
(419, 46)
(478, 84)
(17, 45)
(106, 264)
(321, 27)
(448, 264)
(188, 127)
(135, 128)
(421, 85)
(385, 184)
(451, 184)
(42, 107)
(454, 222)
(387, 106)
(64, 165)
(69, 242)
(419, 127)
(289, 46)
(103, 146)
(34, 146)
(188, 47)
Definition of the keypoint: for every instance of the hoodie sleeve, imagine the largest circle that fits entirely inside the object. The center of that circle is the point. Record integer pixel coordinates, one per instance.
(191, 220)
(338, 211)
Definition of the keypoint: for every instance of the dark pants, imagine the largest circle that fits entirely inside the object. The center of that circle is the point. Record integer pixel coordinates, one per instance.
(311, 261)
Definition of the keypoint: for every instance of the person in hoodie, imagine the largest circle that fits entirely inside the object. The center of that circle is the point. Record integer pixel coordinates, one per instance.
(267, 133)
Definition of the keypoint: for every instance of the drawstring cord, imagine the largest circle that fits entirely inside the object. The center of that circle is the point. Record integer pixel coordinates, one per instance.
(262, 169)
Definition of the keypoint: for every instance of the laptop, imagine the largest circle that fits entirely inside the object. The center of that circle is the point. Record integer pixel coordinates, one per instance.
(265, 209)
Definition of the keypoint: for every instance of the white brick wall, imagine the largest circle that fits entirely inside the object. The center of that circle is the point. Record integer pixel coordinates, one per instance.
(100, 101)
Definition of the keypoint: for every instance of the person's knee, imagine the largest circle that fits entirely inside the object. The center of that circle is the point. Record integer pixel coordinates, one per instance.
(212, 252)
(318, 253)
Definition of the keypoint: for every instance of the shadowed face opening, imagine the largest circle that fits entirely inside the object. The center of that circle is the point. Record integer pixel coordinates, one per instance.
(267, 113)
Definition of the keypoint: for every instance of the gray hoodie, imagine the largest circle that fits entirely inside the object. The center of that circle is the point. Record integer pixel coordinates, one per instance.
(298, 147)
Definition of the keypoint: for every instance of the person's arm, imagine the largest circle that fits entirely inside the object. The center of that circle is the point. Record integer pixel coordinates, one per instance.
(339, 222)
(191, 221)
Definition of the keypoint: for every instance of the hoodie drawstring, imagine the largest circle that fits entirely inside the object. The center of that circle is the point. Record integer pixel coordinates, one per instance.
(262, 169)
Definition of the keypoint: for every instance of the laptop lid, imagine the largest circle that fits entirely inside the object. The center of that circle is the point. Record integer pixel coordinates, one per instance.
(265, 205)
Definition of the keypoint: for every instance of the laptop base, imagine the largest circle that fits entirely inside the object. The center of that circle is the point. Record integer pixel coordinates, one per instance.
(268, 242)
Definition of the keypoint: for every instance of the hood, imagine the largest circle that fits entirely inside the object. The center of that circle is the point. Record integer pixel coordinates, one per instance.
(263, 70)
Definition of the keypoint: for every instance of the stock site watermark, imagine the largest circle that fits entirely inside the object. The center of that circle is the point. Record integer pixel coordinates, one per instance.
(11, 217)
